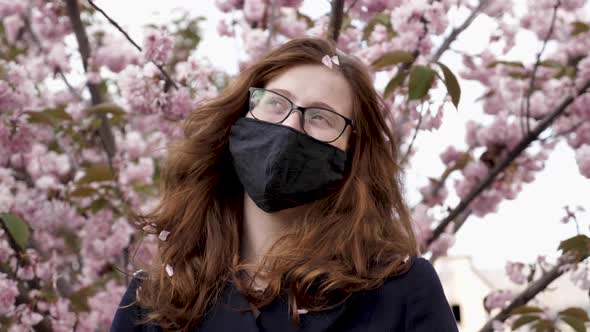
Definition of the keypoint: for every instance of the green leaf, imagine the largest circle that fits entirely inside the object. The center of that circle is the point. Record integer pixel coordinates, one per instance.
(577, 313)
(52, 116)
(106, 108)
(524, 320)
(421, 78)
(17, 228)
(97, 173)
(579, 27)
(396, 81)
(579, 245)
(452, 84)
(526, 310)
(381, 18)
(506, 63)
(393, 58)
(543, 325)
(551, 63)
(83, 191)
(575, 323)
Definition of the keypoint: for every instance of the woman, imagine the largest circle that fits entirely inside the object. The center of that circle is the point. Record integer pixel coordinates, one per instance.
(285, 213)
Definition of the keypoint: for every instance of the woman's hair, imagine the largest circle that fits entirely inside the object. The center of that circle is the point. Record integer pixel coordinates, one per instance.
(347, 242)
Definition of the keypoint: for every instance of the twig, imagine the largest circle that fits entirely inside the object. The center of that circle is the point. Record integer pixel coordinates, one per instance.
(565, 132)
(169, 80)
(501, 166)
(350, 7)
(105, 130)
(336, 19)
(407, 154)
(526, 295)
(456, 31)
(527, 100)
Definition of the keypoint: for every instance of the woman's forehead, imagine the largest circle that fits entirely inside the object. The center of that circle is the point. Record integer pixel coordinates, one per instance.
(314, 84)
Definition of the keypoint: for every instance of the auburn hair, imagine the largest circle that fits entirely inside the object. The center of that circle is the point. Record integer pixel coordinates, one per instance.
(350, 241)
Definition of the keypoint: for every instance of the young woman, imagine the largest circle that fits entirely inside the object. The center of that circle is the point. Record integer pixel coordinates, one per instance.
(285, 211)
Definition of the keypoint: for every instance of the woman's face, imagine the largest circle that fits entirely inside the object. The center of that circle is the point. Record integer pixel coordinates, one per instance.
(315, 86)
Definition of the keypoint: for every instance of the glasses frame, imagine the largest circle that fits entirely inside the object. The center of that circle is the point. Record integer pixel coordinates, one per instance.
(347, 121)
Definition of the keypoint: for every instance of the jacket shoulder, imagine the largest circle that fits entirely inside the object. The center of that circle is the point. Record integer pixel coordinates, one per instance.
(419, 294)
(129, 314)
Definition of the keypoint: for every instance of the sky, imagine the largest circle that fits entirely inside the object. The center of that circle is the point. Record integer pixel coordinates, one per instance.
(521, 230)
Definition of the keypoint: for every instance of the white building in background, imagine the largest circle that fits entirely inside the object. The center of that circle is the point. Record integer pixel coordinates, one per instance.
(466, 287)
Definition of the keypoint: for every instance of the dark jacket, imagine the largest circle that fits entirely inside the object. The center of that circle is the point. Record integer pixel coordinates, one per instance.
(412, 302)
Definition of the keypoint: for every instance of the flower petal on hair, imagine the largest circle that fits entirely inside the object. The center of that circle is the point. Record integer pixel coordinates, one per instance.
(335, 60)
(327, 61)
(169, 270)
(150, 229)
(163, 235)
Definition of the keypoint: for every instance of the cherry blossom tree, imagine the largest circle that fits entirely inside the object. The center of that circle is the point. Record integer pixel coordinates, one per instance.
(86, 113)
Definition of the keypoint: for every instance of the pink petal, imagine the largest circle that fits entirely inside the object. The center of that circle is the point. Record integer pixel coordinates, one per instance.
(336, 60)
(169, 270)
(163, 235)
(327, 61)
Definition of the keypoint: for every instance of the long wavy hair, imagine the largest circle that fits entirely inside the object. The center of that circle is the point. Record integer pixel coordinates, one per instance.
(350, 241)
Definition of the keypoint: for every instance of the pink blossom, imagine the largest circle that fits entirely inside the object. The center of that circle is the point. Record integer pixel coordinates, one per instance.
(228, 5)
(224, 29)
(498, 299)
(58, 59)
(451, 155)
(580, 277)
(516, 272)
(62, 319)
(8, 294)
(255, 42)
(290, 25)
(6, 251)
(179, 105)
(12, 27)
(254, 10)
(583, 160)
(422, 223)
(115, 53)
(158, 46)
(134, 144)
(10, 7)
(497, 8)
(428, 196)
(141, 172)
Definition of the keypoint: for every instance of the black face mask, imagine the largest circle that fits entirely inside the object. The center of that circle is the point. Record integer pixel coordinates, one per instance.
(281, 167)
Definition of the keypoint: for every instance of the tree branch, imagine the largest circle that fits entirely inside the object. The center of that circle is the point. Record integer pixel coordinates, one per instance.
(526, 295)
(169, 80)
(105, 131)
(336, 19)
(501, 166)
(456, 31)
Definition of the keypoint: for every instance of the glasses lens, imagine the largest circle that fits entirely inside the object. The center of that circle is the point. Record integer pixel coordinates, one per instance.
(319, 123)
(323, 125)
(269, 106)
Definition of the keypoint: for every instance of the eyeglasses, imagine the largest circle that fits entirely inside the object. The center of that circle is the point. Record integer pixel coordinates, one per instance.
(320, 123)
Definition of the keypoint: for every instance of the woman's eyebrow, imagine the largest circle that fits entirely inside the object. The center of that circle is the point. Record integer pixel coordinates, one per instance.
(313, 104)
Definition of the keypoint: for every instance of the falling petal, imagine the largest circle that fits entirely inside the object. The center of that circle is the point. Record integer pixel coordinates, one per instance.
(406, 258)
(137, 272)
(163, 235)
(302, 311)
(335, 60)
(327, 61)
(169, 270)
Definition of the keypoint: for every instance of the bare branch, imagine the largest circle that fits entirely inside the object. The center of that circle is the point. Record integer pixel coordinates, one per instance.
(105, 131)
(336, 19)
(409, 150)
(526, 295)
(456, 31)
(502, 165)
(169, 80)
(272, 17)
(527, 100)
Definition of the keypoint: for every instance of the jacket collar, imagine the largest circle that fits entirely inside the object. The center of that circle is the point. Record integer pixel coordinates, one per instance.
(273, 317)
